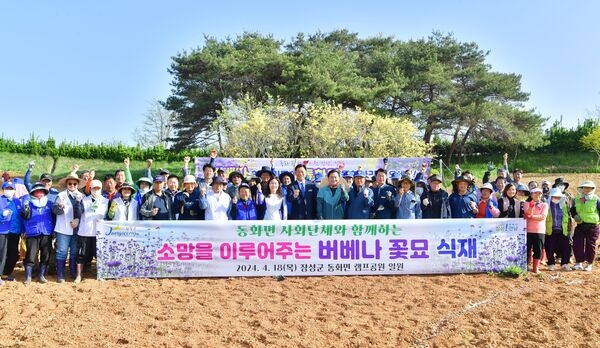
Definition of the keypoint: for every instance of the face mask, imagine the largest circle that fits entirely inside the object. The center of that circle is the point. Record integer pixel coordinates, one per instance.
(9, 194)
(545, 189)
(144, 191)
(555, 200)
(419, 191)
(96, 194)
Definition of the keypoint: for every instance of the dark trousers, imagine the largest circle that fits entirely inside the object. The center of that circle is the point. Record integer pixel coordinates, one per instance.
(35, 245)
(12, 254)
(558, 243)
(584, 242)
(3, 247)
(86, 249)
(535, 242)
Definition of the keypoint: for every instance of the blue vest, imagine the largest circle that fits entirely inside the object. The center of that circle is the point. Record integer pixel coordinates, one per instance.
(41, 222)
(247, 212)
(13, 223)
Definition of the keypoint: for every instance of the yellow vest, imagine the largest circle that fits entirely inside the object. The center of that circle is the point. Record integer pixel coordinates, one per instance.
(588, 211)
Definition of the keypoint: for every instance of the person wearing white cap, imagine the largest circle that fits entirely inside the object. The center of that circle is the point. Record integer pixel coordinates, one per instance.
(557, 231)
(94, 209)
(487, 207)
(536, 213)
(186, 202)
(585, 210)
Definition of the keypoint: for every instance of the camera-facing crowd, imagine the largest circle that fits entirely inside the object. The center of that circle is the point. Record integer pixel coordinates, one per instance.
(60, 225)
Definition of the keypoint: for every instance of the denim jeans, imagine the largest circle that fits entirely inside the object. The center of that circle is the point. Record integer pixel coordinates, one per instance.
(64, 244)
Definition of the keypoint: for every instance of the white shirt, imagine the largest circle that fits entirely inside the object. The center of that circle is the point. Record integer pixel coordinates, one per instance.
(218, 205)
(274, 205)
(92, 213)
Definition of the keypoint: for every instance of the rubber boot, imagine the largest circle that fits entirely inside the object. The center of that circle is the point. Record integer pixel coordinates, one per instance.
(60, 270)
(72, 269)
(536, 266)
(79, 272)
(28, 273)
(42, 277)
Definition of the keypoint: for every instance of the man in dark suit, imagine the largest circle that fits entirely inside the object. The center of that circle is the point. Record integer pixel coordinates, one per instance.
(303, 196)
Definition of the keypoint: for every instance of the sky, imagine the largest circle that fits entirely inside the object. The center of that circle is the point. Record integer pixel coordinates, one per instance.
(87, 71)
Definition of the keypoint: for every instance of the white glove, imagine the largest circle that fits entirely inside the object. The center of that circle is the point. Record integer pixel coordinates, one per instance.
(6, 212)
(425, 201)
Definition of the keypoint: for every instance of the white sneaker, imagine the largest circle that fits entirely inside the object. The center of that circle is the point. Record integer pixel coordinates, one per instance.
(588, 267)
(577, 267)
(565, 268)
(551, 268)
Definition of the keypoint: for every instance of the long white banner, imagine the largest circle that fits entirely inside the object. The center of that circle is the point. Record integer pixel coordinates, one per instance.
(249, 166)
(156, 249)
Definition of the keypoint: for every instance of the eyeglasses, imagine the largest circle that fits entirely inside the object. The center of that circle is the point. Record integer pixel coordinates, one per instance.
(72, 184)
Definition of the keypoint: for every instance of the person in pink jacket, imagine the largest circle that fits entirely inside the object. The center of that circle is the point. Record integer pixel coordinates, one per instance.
(536, 213)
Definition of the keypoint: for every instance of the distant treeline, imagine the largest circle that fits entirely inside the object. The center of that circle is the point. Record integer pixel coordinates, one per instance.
(113, 152)
(557, 139)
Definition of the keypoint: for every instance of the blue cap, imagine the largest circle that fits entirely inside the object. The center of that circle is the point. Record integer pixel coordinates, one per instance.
(346, 174)
(360, 173)
(396, 175)
(159, 178)
(39, 186)
(521, 187)
(8, 184)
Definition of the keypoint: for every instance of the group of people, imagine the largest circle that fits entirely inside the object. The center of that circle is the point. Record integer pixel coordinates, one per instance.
(60, 226)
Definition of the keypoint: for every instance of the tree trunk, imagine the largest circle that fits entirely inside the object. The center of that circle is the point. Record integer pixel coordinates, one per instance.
(464, 141)
(428, 133)
(219, 139)
(453, 146)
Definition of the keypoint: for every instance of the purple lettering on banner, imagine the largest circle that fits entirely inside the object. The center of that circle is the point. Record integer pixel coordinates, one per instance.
(349, 249)
(419, 248)
(447, 249)
(328, 250)
(376, 255)
(470, 251)
(398, 249)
